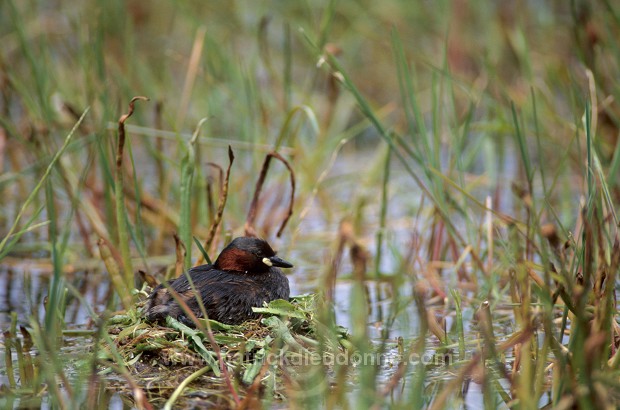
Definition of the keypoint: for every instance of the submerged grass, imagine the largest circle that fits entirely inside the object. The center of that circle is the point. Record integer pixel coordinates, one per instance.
(462, 155)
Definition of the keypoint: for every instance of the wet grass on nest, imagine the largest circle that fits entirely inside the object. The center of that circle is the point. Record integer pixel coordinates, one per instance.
(282, 341)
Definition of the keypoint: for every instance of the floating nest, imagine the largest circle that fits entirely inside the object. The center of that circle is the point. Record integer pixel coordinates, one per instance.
(160, 358)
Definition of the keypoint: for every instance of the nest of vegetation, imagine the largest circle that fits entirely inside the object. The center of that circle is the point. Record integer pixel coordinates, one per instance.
(161, 357)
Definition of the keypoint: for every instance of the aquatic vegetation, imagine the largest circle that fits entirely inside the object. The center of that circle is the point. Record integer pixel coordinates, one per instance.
(444, 176)
(284, 341)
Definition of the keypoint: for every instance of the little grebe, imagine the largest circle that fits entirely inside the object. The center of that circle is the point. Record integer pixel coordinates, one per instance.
(245, 275)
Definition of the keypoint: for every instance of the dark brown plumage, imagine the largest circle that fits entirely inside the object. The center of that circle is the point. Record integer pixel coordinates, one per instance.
(245, 275)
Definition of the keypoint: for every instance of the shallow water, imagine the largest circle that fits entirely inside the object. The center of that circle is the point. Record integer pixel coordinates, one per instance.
(23, 289)
(24, 283)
